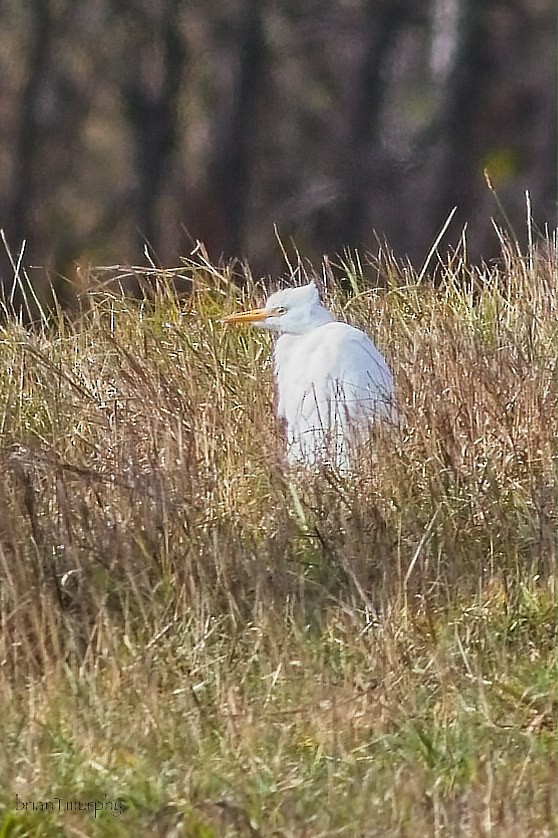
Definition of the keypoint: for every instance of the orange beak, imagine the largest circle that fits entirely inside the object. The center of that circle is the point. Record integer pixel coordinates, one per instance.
(251, 316)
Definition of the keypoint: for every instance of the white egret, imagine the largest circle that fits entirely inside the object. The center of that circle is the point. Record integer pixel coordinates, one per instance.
(331, 379)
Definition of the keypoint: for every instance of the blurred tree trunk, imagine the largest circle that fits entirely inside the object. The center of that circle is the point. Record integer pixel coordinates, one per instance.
(232, 164)
(457, 165)
(364, 162)
(155, 58)
(38, 57)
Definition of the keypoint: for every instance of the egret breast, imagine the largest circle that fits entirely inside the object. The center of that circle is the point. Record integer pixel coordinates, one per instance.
(331, 382)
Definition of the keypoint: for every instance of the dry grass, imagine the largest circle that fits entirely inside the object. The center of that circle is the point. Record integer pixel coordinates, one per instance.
(233, 648)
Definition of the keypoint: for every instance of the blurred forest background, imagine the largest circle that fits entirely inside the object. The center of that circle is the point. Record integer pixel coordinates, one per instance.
(340, 121)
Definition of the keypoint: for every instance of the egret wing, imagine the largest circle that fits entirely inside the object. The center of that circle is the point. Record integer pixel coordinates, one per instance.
(358, 379)
(334, 382)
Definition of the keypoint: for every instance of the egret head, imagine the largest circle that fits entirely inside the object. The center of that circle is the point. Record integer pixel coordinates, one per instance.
(292, 311)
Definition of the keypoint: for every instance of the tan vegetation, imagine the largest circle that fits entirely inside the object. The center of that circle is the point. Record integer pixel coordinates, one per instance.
(233, 648)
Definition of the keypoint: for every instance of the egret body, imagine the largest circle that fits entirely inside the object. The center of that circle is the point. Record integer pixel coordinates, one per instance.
(331, 380)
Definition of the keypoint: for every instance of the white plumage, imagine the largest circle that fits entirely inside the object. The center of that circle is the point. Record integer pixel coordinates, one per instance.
(331, 379)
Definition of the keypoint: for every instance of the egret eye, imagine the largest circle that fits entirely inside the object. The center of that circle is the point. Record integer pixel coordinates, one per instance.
(279, 310)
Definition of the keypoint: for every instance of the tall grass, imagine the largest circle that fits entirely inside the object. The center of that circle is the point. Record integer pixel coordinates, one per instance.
(231, 647)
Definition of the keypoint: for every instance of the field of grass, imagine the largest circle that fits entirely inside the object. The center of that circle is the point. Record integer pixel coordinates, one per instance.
(209, 644)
